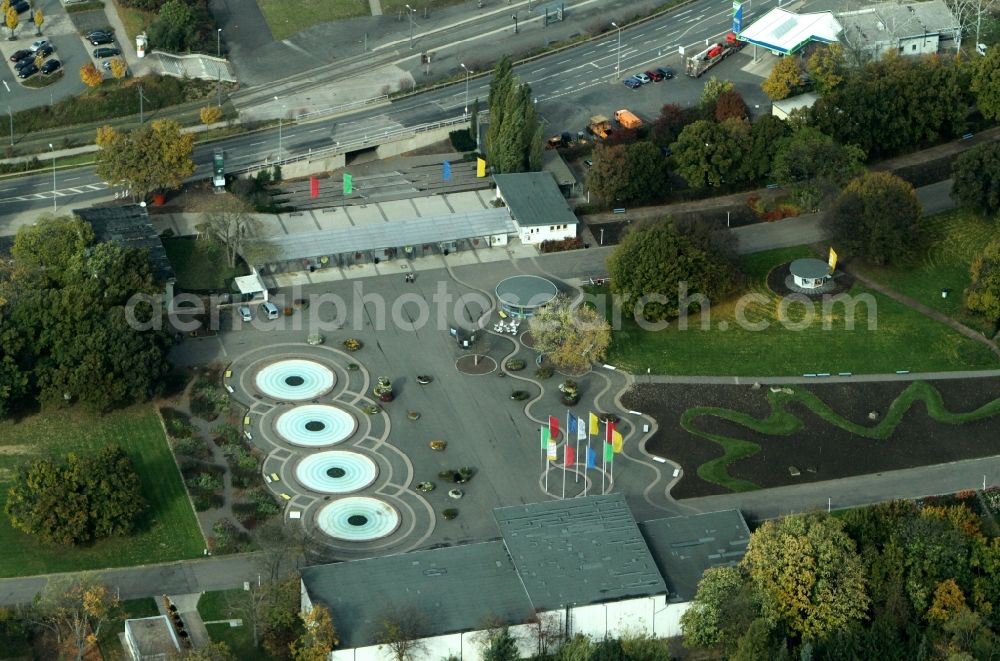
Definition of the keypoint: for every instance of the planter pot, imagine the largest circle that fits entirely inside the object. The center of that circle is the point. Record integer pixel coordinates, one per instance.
(386, 397)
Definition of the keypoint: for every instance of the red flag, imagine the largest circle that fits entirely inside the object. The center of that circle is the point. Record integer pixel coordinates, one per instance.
(313, 186)
(553, 426)
(610, 432)
(569, 454)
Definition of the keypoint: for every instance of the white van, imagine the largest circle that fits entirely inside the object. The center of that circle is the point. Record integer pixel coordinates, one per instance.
(270, 310)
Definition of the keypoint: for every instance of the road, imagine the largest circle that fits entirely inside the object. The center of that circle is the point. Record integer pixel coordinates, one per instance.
(568, 87)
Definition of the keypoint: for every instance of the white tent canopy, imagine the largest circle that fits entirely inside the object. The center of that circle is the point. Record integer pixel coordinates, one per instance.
(785, 32)
(251, 285)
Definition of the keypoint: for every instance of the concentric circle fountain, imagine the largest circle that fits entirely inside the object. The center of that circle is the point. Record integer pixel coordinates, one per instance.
(315, 425)
(358, 519)
(295, 380)
(336, 472)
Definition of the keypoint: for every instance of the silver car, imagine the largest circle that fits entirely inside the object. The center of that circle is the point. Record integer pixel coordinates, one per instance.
(642, 78)
(245, 313)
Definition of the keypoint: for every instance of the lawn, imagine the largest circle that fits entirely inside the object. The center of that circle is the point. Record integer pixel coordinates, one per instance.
(169, 530)
(215, 606)
(286, 17)
(134, 20)
(902, 339)
(200, 265)
(956, 237)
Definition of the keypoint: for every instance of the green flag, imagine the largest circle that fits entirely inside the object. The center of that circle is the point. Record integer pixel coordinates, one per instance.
(348, 188)
(609, 453)
(545, 437)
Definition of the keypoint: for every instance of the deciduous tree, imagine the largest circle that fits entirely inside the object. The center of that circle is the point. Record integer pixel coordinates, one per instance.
(318, 637)
(500, 645)
(118, 68)
(211, 651)
(877, 217)
(669, 124)
(948, 601)
(75, 610)
(661, 267)
(91, 76)
(156, 155)
(710, 93)
(39, 20)
(983, 295)
(707, 622)
(766, 134)
(976, 182)
(175, 27)
(210, 114)
(572, 338)
(234, 228)
(50, 247)
(710, 154)
(401, 635)
(807, 573)
(785, 77)
(814, 164)
(12, 20)
(826, 67)
(730, 105)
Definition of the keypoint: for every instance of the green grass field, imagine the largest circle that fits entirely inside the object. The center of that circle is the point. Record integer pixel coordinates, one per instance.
(169, 530)
(902, 339)
(286, 17)
(956, 237)
(200, 264)
(215, 606)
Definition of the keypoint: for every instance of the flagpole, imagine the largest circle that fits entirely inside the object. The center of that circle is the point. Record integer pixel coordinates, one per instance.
(546, 478)
(564, 472)
(604, 461)
(576, 473)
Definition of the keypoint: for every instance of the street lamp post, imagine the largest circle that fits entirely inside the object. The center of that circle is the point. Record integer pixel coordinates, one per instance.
(218, 42)
(409, 14)
(514, 16)
(618, 66)
(139, 87)
(281, 117)
(53, 150)
(467, 72)
(11, 126)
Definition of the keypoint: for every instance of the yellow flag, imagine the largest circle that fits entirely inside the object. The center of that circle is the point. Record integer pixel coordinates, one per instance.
(595, 428)
(833, 260)
(617, 441)
(480, 167)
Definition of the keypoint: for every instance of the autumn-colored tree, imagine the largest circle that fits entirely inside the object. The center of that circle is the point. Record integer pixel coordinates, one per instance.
(39, 19)
(807, 573)
(573, 338)
(90, 75)
(730, 105)
(948, 600)
(210, 114)
(231, 226)
(786, 76)
(212, 651)
(402, 633)
(74, 610)
(118, 68)
(12, 20)
(826, 67)
(710, 620)
(155, 155)
(710, 93)
(318, 637)
(983, 295)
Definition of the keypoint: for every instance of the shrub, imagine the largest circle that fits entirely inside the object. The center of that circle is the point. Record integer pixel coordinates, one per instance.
(462, 140)
(562, 245)
(192, 446)
(205, 481)
(519, 395)
(352, 344)
(178, 423)
(264, 502)
(227, 538)
(449, 513)
(992, 498)
(447, 475)
(515, 365)
(227, 434)
(425, 487)
(207, 501)
(544, 373)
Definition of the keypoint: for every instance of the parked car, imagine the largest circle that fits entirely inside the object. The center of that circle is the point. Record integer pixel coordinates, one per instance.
(655, 76)
(245, 313)
(21, 6)
(632, 83)
(642, 78)
(20, 64)
(667, 72)
(588, 163)
(51, 66)
(99, 38)
(270, 310)
(28, 71)
(45, 51)
(101, 53)
(39, 45)
(20, 55)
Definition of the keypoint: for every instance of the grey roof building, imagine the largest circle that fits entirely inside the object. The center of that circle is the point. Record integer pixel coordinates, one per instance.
(578, 551)
(128, 226)
(908, 29)
(534, 199)
(460, 587)
(685, 546)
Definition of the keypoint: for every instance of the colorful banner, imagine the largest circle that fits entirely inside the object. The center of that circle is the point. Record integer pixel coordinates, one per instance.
(581, 430)
(569, 456)
(617, 441)
(571, 425)
(591, 458)
(554, 426)
(595, 427)
(833, 259)
(553, 451)
(480, 168)
(313, 186)
(348, 184)
(609, 453)
(446, 171)
(609, 436)
(545, 437)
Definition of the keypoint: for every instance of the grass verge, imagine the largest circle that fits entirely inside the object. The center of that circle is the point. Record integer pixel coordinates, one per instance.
(200, 265)
(216, 606)
(168, 531)
(131, 609)
(877, 335)
(956, 236)
(286, 17)
(134, 20)
(781, 422)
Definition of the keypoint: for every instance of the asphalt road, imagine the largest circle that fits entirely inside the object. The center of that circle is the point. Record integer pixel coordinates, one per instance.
(569, 87)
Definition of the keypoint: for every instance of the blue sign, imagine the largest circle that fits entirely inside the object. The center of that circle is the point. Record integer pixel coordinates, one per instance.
(447, 171)
(737, 17)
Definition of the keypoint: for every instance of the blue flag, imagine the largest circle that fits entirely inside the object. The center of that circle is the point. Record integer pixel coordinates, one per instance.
(591, 458)
(571, 423)
(447, 170)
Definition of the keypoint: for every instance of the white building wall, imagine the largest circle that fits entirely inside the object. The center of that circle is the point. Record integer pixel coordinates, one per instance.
(538, 233)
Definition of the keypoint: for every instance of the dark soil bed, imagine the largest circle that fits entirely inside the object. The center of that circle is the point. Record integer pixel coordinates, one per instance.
(820, 451)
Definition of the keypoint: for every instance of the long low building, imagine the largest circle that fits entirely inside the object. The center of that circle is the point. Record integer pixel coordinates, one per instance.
(560, 568)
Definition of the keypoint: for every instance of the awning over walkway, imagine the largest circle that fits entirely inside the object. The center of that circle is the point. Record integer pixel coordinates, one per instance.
(786, 32)
(398, 233)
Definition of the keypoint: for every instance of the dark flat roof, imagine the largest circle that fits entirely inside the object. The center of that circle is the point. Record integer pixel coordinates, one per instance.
(534, 199)
(578, 551)
(526, 290)
(809, 267)
(128, 226)
(458, 588)
(685, 546)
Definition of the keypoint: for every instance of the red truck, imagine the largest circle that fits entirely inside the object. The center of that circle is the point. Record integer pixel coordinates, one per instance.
(708, 58)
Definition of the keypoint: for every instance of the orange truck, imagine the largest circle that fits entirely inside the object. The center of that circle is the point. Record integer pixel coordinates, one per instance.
(627, 119)
(599, 126)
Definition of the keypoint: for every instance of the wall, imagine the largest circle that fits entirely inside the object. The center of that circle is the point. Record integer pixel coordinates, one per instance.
(536, 234)
(307, 166)
(418, 140)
